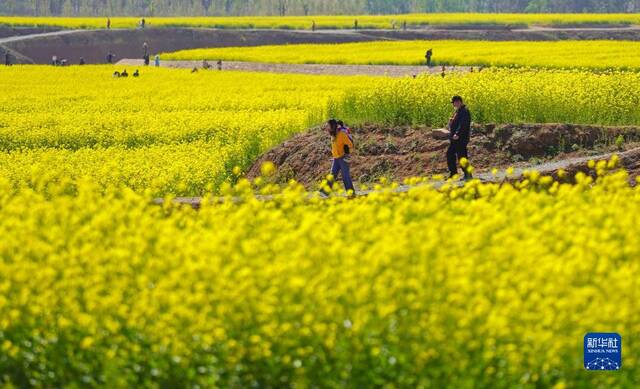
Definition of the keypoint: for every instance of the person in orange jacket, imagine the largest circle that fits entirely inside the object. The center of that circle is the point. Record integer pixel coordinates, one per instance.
(341, 146)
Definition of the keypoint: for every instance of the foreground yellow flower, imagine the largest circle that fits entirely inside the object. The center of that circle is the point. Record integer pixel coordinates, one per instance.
(109, 289)
(268, 169)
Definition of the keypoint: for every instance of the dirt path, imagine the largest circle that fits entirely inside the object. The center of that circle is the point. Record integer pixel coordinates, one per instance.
(630, 160)
(10, 39)
(590, 28)
(314, 69)
(17, 55)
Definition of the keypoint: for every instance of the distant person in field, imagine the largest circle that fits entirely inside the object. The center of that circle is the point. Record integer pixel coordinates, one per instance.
(157, 60)
(136, 73)
(459, 135)
(205, 65)
(145, 55)
(404, 25)
(355, 24)
(110, 57)
(81, 61)
(143, 23)
(341, 146)
(7, 59)
(108, 23)
(219, 64)
(54, 60)
(428, 56)
(124, 73)
(313, 25)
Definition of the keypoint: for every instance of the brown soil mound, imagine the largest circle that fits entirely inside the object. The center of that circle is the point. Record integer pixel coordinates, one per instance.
(405, 151)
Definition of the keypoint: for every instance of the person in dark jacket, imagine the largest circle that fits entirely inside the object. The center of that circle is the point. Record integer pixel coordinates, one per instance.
(145, 55)
(459, 134)
(428, 56)
(7, 59)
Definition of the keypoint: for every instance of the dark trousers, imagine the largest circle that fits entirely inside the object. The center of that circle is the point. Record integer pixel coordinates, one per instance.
(457, 150)
(340, 165)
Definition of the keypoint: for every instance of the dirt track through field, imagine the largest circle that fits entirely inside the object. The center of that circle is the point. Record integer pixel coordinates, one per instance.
(40, 35)
(313, 69)
(630, 160)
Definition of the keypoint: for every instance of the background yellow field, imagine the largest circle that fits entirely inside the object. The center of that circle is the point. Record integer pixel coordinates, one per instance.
(560, 54)
(330, 22)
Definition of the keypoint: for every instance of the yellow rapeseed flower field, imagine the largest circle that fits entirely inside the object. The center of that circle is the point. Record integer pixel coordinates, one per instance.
(596, 55)
(173, 132)
(329, 22)
(484, 286)
(500, 96)
(167, 131)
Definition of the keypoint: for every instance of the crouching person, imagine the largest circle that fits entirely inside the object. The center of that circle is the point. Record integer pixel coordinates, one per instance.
(341, 146)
